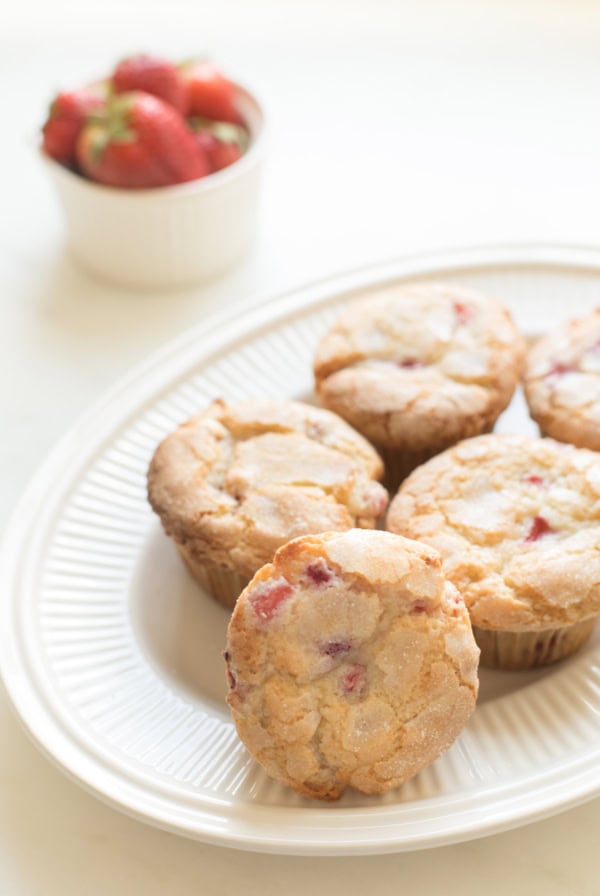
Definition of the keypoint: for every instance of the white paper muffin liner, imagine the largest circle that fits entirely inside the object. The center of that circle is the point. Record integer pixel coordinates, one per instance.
(224, 585)
(400, 464)
(530, 649)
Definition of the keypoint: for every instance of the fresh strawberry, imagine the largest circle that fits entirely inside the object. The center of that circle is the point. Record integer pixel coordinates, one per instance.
(141, 142)
(223, 155)
(118, 163)
(210, 93)
(68, 114)
(220, 155)
(222, 142)
(153, 75)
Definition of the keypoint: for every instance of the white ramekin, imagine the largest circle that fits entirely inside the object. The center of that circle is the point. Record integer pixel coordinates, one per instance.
(167, 236)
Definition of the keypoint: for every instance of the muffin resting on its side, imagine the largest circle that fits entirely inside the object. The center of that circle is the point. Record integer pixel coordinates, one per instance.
(562, 382)
(517, 522)
(416, 368)
(234, 483)
(351, 662)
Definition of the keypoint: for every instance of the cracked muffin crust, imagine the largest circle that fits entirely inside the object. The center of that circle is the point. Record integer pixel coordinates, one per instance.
(237, 481)
(415, 368)
(517, 522)
(351, 662)
(562, 382)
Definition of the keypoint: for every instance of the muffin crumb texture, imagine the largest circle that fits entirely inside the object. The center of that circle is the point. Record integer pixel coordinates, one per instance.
(351, 662)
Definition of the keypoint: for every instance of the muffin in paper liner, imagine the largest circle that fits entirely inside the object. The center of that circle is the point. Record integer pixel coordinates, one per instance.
(528, 650)
(517, 522)
(350, 662)
(417, 367)
(237, 481)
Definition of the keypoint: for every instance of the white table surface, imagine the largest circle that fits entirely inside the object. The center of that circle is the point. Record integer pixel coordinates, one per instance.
(396, 127)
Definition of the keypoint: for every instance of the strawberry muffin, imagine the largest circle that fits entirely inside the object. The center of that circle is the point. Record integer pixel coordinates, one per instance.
(237, 481)
(562, 382)
(416, 368)
(517, 522)
(351, 662)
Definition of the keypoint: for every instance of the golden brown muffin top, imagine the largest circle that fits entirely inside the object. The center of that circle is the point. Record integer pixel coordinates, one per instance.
(239, 480)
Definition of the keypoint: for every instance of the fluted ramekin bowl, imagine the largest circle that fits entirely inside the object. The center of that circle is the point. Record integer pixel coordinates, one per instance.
(166, 236)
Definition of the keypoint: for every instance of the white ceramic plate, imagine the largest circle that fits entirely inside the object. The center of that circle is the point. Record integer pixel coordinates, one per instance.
(111, 653)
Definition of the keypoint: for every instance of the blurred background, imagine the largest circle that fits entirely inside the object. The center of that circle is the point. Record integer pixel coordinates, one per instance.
(394, 127)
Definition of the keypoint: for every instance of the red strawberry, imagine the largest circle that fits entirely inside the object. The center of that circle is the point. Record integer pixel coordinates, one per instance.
(118, 163)
(142, 142)
(68, 114)
(220, 155)
(152, 75)
(222, 142)
(539, 528)
(267, 598)
(210, 93)
(223, 155)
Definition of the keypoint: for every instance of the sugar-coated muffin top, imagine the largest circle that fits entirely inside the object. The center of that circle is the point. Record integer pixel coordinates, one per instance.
(351, 662)
(517, 522)
(234, 483)
(562, 382)
(417, 367)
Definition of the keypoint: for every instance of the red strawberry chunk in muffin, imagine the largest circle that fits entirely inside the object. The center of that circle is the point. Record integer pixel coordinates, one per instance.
(267, 600)
(539, 528)
(411, 363)
(463, 313)
(230, 675)
(558, 369)
(319, 572)
(534, 480)
(353, 680)
(242, 690)
(335, 648)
